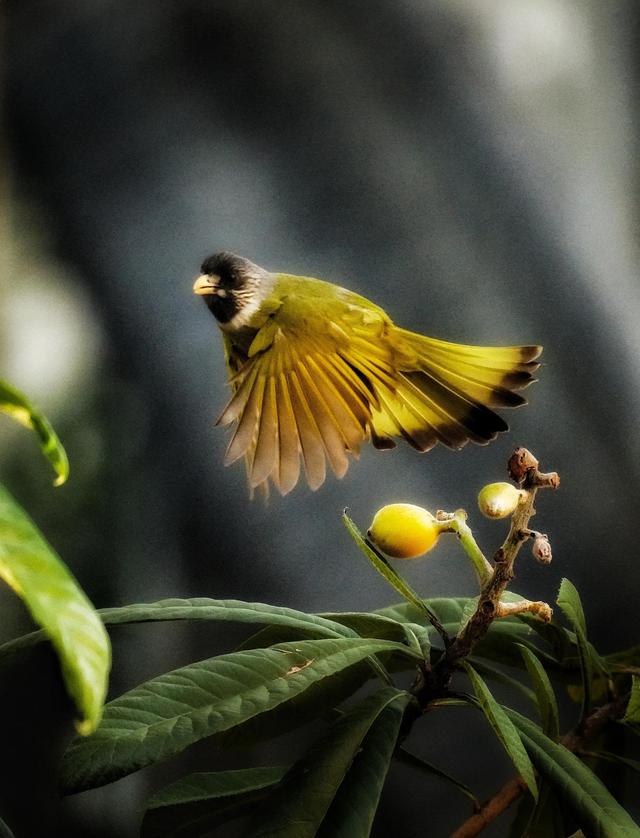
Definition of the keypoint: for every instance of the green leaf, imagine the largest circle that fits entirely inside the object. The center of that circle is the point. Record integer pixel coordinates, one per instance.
(504, 729)
(632, 713)
(433, 771)
(268, 636)
(33, 570)
(367, 624)
(317, 702)
(15, 404)
(198, 803)
(354, 807)
(492, 673)
(576, 786)
(302, 801)
(545, 696)
(569, 601)
(389, 573)
(450, 610)
(165, 715)
(202, 608)
(539, 819)
(498, 644)
(302, 624)
(446, 609)
(320, 699)
(233, 610)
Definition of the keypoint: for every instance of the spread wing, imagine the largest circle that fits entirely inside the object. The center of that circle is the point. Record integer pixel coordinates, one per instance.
(323, 376)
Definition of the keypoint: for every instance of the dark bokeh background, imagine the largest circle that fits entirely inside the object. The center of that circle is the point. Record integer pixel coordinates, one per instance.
(470, 166)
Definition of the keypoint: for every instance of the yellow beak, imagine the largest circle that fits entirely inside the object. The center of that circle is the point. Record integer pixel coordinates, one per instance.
(205, 284)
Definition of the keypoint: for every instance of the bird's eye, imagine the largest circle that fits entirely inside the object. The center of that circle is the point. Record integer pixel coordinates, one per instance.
(228, 280)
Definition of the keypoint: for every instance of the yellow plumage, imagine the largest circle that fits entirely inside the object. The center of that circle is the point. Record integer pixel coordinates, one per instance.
(318, 370)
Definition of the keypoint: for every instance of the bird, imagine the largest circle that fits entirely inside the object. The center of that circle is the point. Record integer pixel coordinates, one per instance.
(317, 370)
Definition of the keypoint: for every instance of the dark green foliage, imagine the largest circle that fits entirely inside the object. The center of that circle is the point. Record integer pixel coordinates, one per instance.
(364, 679)
(201, 802)
(335, 787)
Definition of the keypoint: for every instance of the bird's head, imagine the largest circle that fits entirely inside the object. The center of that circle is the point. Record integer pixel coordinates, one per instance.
(232, 287)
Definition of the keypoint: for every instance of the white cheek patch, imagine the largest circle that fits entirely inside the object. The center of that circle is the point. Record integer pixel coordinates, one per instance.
(244, 316)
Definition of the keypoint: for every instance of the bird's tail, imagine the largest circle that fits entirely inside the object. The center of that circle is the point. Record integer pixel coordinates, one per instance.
(445, 391)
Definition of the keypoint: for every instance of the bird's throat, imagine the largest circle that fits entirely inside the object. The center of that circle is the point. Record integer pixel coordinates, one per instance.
(224, 309)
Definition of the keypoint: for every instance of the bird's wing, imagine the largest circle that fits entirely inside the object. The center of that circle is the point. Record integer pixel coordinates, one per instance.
(324, 375)
(296, 396)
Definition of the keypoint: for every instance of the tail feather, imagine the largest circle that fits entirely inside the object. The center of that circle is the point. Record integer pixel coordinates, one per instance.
(445, 391)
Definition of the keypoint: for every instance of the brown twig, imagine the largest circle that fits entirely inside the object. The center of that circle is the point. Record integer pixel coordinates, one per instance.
(492, 809)
(523, 468)
(574, 741)
(433, 682)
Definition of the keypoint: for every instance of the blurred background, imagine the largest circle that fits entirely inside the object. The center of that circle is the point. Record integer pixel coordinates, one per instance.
(472, 167)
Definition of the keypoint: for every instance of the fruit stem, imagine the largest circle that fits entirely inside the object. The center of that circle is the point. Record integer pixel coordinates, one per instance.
(457, 522)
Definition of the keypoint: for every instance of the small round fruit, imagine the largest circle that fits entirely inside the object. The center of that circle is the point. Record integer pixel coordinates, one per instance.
(497, 500)
(404, 531)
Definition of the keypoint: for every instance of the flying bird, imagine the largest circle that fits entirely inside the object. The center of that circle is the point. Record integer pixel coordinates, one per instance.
(317, 370)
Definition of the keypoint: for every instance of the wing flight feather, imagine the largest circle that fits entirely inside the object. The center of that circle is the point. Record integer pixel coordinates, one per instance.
(319, 394)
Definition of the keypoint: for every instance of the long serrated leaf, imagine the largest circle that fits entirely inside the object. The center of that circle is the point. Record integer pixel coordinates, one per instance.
(202, 608)
(592, 805)
(15, 404)
(233, 610)
(317, 702)
(545, 696)
(504, 730)
(277, 634)
(198, 803)
(302, 801)
(354, 807)
(168, 713)
(560, 641)
(447, 609)
(498, 644)
(539, 819)
(390, 574)
(56, 602)
(370, 624)
(590, 662)
(492, 673)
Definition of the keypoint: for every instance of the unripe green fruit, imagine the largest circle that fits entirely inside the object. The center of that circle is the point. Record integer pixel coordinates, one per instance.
(498, 500)
(404, 531)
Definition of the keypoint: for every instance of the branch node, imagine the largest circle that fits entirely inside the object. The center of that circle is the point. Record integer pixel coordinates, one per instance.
(550, 480)
(521, 462)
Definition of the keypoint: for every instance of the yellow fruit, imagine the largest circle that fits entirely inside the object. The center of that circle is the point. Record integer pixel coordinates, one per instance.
(404, 531)
(497, 500)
